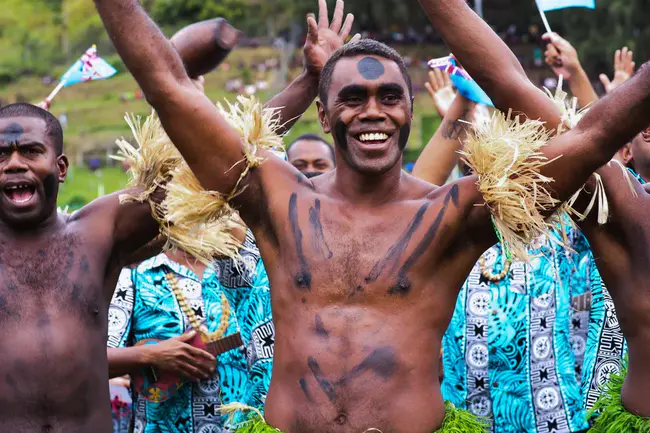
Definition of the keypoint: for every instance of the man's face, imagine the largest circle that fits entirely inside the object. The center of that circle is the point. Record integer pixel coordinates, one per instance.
(368, 112)
(311, 157)
(30, 172)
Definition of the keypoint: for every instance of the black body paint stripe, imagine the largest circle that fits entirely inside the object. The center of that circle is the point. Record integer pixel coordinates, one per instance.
(303, 278)
(324, 384)
(320, 244)
(403, 286)
(396, 251)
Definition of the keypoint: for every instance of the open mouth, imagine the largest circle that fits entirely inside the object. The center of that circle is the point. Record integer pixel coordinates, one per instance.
(20, 193)
(372, 137)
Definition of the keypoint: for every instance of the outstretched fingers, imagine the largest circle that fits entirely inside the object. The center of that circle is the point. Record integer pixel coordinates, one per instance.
(337, 20)
(323, 15)
(347, 27)
(312, 29)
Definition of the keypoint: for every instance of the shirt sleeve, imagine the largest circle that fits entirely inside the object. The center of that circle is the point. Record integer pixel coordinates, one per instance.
(120, 312)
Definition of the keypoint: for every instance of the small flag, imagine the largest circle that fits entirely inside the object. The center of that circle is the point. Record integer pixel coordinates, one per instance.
(464, 83)
(551, 5)
(89, 67)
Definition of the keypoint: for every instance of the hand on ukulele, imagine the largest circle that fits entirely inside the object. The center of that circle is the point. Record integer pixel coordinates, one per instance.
(179, 358)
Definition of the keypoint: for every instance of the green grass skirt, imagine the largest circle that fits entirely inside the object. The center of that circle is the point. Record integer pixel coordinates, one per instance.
(456, 421)
(612, 416)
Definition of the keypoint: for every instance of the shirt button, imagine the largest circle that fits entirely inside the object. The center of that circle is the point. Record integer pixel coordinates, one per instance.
(211, 317)
(494, 312)
(495, 384)
(493, 350)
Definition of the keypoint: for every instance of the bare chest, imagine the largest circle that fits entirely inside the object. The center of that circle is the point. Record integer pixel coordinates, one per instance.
(58, 276)
(346, 253)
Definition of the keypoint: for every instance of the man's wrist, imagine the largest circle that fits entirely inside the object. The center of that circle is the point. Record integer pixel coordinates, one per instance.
(577, 74)
(310, 80)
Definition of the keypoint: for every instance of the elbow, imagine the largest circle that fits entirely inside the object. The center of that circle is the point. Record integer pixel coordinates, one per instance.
(163, 91)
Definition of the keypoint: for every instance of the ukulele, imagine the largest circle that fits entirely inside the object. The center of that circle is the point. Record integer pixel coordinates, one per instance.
(158, 386)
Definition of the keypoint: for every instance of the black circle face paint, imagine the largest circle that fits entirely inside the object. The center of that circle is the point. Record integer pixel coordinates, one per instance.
(404, 133)
(370, 68)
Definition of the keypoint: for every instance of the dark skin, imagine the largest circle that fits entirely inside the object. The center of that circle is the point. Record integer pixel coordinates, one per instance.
(359, 311)
(311, 156)
(53, 372)
(621, 246)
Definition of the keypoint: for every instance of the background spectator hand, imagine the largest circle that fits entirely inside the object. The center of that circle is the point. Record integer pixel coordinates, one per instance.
(440, 88)
(623, 69)
(561, 56)
(178, 357)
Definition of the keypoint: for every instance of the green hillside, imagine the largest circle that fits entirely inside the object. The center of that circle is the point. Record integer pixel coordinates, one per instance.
(95, 114)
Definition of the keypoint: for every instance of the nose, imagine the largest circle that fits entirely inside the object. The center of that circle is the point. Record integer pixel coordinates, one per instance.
(372, 113)
(15, 164)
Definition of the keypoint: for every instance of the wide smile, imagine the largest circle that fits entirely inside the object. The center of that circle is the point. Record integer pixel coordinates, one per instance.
(374, 139)
(19, 194)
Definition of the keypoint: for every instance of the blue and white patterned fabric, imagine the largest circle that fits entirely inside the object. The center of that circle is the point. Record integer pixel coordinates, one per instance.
(145, 307)
(507, 354)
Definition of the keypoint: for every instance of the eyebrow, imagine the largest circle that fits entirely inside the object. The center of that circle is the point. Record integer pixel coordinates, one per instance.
(391, 88)
(5, 144)
(352, 90)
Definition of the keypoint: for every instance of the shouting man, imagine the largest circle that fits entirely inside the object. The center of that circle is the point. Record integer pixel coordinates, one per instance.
(365, 262)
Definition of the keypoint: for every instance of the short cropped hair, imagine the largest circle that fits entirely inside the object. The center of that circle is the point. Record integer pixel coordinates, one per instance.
(52, 126)
(313, 137)
(367, 47)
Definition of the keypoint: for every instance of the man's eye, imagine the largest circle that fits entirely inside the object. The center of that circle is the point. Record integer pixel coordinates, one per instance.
(391, 99)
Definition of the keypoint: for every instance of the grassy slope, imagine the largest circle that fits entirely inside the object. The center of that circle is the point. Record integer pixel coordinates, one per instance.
(95, 117)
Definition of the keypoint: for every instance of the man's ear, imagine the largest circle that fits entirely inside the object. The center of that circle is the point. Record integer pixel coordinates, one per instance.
(322, 117)
(63, 164)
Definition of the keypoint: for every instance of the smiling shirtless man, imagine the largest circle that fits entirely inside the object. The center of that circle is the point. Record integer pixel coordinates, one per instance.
(365, 262)
(620, 247)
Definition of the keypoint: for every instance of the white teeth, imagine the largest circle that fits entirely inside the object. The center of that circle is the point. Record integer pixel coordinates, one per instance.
(376, 136)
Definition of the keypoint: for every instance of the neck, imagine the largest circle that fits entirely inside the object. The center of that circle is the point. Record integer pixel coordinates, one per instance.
(183, 258)
(644, 172)
(360, 188)
(44, 228)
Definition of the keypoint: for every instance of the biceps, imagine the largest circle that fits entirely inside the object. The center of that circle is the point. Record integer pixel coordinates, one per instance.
(209, 145)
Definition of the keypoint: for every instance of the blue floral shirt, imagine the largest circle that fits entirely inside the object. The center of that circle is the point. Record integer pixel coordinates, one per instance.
(145, 307)
(507, 355)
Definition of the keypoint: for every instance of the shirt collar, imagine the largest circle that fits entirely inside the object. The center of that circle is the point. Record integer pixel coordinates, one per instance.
(162, 262)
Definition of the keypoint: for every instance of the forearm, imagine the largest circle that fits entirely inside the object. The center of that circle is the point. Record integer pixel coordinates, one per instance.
(294, 100)
(440, 156)
(489, 60)
(610, 123)
(146, 52)
(582, 89)
(126, 360)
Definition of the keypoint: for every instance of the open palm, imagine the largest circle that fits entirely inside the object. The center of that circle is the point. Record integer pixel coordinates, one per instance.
(324, 38)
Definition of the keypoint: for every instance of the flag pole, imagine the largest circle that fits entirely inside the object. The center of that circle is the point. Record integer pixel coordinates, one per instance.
(56, 90)
(544, 20)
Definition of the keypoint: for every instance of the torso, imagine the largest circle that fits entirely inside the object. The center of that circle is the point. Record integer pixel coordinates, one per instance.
(53, 369)
(361, 298)
(623, 259)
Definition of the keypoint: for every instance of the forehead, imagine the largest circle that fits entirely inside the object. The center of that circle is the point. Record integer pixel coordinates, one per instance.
(23, 129)
(309, 149)
(366, 71)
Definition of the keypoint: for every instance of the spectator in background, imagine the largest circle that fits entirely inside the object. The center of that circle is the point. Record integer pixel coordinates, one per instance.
(312, 155)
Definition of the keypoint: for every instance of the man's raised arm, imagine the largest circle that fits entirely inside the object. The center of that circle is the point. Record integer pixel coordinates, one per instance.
(611, 122)
(206, 141)
(489, 60)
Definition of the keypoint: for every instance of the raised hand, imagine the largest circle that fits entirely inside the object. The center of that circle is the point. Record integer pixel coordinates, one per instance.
(441, 91)
(180, 358)
(561, 56)
(623, 69)
(323, 38)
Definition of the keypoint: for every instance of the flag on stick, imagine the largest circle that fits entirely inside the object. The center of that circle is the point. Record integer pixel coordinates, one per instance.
(552, 5)
(464, 83)
(88, 68)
